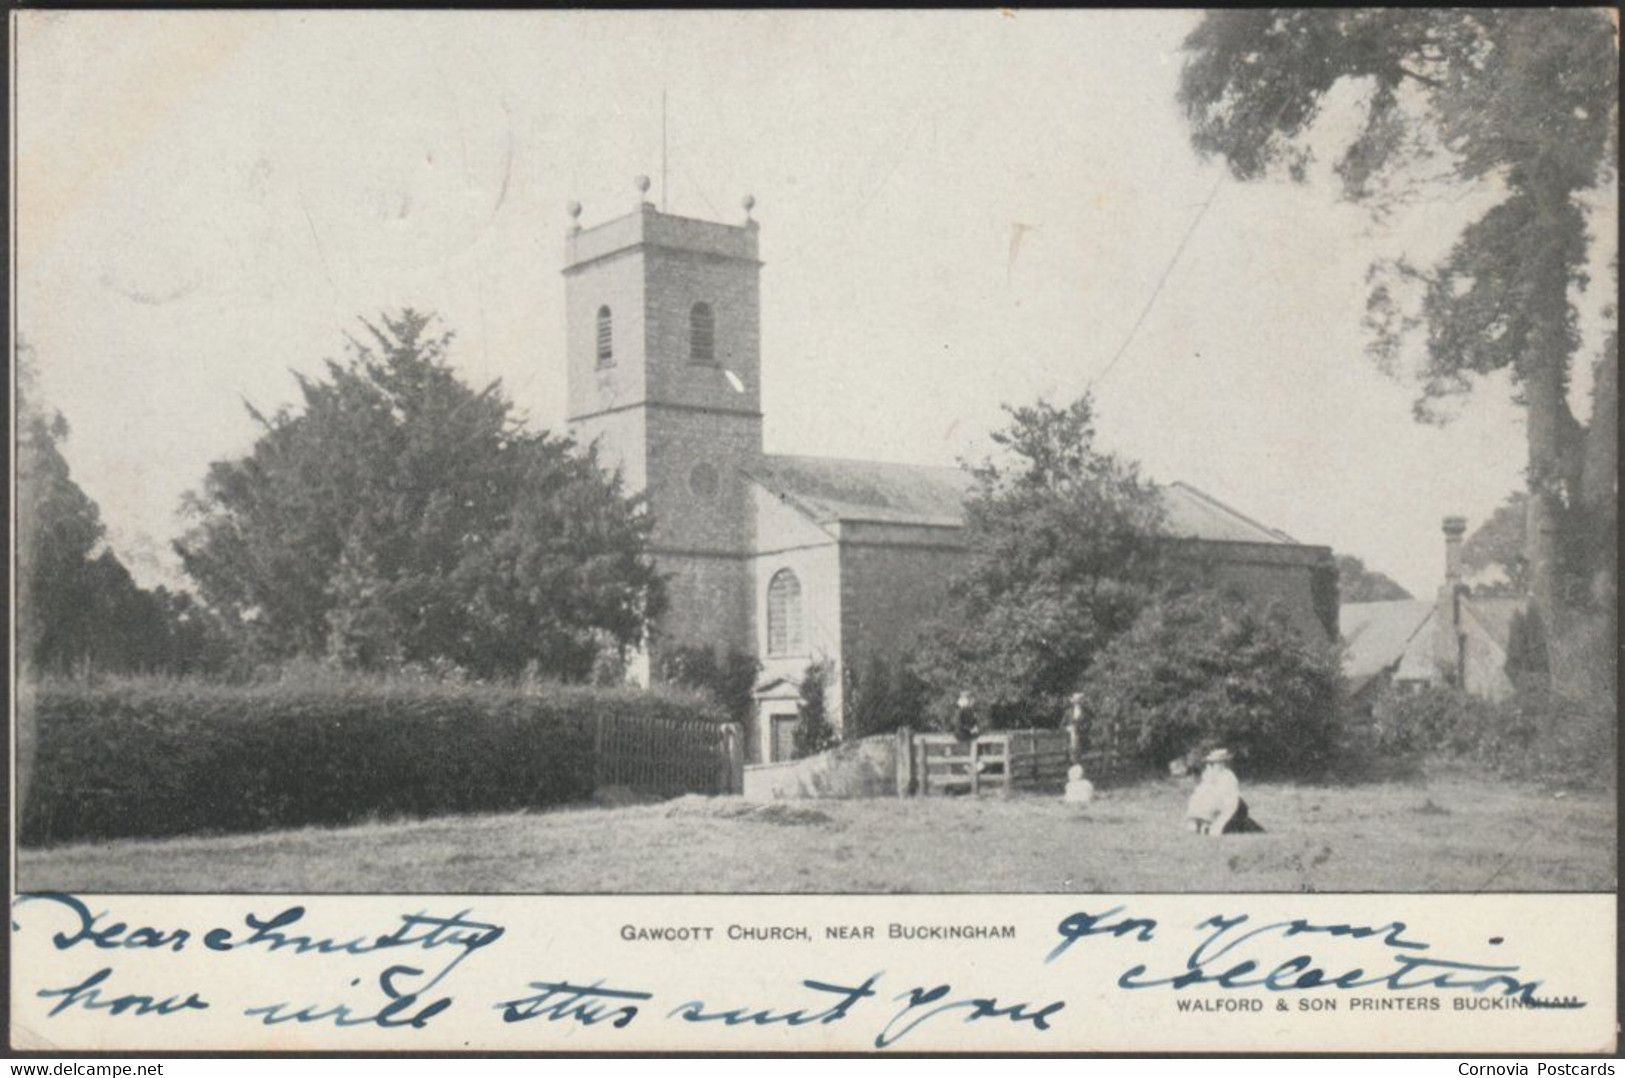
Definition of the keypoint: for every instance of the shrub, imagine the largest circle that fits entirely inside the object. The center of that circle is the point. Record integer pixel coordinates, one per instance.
(152, 757)
(885, 697)
(814, 733)
(1534, 734)
(730, 680)
(1198, 668)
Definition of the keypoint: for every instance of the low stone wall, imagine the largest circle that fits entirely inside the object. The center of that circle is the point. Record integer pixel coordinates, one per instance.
(864, 768)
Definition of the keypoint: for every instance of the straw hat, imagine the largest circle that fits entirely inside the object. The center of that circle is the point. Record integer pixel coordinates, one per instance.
(1217, 756)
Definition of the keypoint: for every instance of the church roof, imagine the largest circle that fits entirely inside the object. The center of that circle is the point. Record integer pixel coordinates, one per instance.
(831, 489)
(1193, 514)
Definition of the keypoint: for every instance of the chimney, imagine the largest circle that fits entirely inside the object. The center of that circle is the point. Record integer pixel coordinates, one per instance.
(1454, 529)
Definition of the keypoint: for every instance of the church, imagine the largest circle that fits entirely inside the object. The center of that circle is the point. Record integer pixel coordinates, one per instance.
(793, 559)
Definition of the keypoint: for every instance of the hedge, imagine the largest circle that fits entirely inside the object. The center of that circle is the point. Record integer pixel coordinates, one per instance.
(154, 757)
(1533, 734)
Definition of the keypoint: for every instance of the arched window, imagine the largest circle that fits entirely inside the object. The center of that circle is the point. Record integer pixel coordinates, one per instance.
(784, 614)
(606, 338)
(702, 334)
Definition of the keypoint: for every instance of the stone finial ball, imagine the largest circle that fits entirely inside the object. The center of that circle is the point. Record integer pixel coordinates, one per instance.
(750, 203)
(574, 209)
(643, 184)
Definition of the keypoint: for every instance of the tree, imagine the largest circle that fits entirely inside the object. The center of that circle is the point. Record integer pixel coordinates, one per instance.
(1497, 546)
(1063, 554)
(403, 517)
(884, 697)
(730, 680)
(1357, 584)
(78, 608)
(1200, 668)
(1520, 101)
(814, 732)
(58, 529)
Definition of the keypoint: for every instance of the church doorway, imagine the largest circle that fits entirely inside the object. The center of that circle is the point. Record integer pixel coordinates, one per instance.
(778, 713)
(782, 744)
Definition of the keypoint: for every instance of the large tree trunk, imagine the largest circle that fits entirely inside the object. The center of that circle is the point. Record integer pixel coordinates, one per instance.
(1599, 481)
(1543, 389)
(1547, 417)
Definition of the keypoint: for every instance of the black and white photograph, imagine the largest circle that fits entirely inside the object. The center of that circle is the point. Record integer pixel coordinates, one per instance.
(613, 453)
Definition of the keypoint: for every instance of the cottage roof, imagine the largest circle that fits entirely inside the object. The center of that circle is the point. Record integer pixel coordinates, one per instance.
(1494, 614)
(1377, 636)
(831, 489)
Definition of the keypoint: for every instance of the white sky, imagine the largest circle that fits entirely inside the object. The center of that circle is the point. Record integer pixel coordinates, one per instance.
(208, 200)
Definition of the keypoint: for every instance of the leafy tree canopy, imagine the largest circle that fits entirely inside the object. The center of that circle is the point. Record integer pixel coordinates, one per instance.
(78, 608)
(730, 679)
(1198, 668)
(401, 516)
(1063, 556)
(884, 696)
(1357, 584)
(1496, 547)
(1523, 102)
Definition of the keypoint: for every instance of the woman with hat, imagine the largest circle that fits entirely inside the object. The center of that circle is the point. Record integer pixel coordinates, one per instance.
(1216, 807)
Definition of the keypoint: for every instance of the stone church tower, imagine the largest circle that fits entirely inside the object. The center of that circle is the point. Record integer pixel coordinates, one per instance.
(664, 373)
(797, 560)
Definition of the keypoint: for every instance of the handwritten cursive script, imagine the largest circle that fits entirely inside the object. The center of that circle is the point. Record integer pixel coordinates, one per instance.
(403, 977)
(1221, 957)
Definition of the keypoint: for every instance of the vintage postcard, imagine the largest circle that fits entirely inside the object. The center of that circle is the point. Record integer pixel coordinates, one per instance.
(931, 531)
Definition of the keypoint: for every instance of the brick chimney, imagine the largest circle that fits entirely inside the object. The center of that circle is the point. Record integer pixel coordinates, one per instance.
(1451, 642)
(1454, 529)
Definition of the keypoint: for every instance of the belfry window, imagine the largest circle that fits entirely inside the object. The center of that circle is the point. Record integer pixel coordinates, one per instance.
(606, 338)
(784, 636)
(702, 334)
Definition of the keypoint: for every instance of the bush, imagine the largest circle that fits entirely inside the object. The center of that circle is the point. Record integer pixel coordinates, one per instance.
(885, 697)
(1534, 734)
(814, 732)
(1197, 668)
(152, 757)
(730, 680)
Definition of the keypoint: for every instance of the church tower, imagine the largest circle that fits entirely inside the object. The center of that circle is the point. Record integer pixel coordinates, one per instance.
(664, 361)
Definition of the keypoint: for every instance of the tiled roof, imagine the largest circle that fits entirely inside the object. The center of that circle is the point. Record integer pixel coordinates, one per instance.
(1378, 635)
(1495, 614)
(830, 489)
(1192, 514)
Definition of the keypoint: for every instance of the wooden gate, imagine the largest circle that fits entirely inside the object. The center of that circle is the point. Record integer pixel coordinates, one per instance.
(992, 763)
(997, 763)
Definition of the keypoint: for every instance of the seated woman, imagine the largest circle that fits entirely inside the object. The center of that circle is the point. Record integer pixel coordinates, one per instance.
(1216, 807)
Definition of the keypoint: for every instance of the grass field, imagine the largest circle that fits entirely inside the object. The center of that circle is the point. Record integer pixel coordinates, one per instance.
(1450, 834)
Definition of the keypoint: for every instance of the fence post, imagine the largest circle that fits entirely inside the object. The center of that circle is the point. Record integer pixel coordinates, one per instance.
(905, 761)
(597, 749)
(734, 743)
(975, 766)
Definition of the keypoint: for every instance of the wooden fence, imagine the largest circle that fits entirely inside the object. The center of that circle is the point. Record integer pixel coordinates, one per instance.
(997, 763)
(667, 757)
